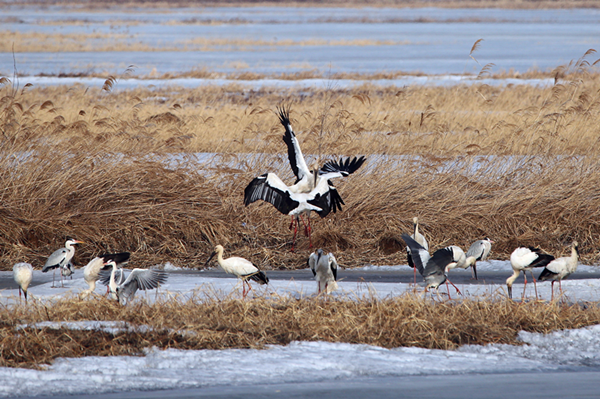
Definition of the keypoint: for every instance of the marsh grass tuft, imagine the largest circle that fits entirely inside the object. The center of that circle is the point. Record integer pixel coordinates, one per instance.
(219, 323)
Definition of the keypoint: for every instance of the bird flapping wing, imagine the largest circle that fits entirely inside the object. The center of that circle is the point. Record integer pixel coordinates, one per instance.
(297, 162)
(342, 168)
(419, 255)
(270, 188)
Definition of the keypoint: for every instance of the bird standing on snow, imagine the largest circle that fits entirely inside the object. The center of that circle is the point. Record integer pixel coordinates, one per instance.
(91, 272)
(480, 250)
(324, 268)
(420, 239)
(240, 267)
(561, 268)
(23, 274)
(138, 279)
(61, 259)
(434, 268)
(524, 259)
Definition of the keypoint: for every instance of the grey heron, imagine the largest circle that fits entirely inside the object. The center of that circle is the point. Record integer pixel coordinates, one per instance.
(138, 279)
(23, 274)
(561, 268)
(92, 271)
(60, 259)
(434, 268)
(524, 259)
(241, 268)
(480, 250)
(324, 268)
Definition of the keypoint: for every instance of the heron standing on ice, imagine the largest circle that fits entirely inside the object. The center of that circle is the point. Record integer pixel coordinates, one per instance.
(240, 267)
(324, 268)
(61, 259)
(23, 274)
(138, 279)
(480, 250)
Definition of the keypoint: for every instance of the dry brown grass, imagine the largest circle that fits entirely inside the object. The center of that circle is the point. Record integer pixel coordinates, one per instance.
(518, 164)
(219, 324)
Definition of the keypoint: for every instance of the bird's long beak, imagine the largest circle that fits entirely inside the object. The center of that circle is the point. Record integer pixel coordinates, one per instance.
(79, 242)
(510, 292)
(210, 258)
(474, 270)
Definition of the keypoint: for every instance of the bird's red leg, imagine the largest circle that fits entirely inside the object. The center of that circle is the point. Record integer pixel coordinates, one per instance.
(448, 289)
(295, 231)
(457, 290)
(534, 285)
(292, 222)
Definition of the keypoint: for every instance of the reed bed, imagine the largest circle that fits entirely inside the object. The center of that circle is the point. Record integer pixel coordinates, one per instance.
(161, 172)
(229, 323)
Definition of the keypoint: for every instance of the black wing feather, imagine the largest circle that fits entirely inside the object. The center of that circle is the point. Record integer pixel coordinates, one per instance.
(284, 118)
(260, 189)
(345, 167)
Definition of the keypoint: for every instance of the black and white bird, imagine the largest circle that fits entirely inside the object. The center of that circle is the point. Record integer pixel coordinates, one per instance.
(523, 260)
(434, 268)
(92, 271)
(23, 274)
(241, 268)
(312, 190)
(561, 268)
(480, 250)
(138, 279)
(419, 238)
(324, 268)
(61, 259)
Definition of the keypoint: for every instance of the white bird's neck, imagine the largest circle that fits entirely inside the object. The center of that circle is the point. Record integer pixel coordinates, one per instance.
(511, 279)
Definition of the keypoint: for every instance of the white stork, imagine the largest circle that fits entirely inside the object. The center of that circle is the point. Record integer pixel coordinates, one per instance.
(240, 267)
(23, 274)
(92, 271)
(524, 259)
(307, 181)
(138, 279)
(324, 268)
(561, 268)
(61, 259)
(434, 268)
(480, 250)
(419, 238)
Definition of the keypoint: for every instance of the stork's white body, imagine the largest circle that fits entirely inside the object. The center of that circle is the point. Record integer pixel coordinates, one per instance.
(324, 268)
(91, 273)
(523, 260)
(23, 274)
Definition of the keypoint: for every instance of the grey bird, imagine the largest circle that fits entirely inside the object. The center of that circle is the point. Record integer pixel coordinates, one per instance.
(433, 268)
(61, 259)
(480, 250)
(138, 279)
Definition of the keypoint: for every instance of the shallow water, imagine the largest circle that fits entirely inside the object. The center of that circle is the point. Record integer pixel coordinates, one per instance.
(517, 39)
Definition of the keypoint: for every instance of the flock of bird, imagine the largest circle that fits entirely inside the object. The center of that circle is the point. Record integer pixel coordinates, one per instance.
(313, 191)
(103, 268)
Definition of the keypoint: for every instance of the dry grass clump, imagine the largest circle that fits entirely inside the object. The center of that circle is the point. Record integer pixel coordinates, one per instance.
(121, 169)
(220, 324)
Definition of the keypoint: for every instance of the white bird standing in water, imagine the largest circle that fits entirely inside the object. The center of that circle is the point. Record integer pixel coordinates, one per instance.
(324, 268)
(524, 259)
(61, 259)
(138, 279)
(240, 267)
(420, 239)
(23, 274)
(480, 250)
(561, 268)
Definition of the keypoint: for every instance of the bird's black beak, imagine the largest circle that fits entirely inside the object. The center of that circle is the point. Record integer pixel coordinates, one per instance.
(474, 270)
(210, 258)
(510, 292)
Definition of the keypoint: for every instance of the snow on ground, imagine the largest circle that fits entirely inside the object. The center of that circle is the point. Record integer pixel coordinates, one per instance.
(575, 350)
